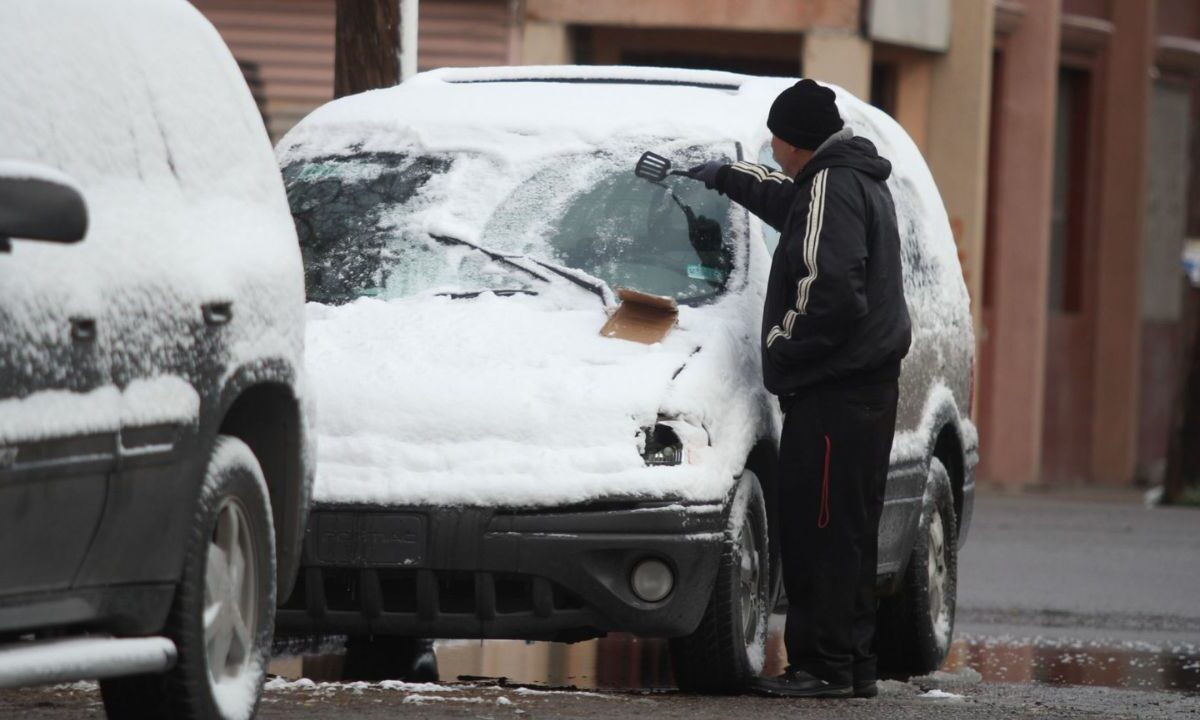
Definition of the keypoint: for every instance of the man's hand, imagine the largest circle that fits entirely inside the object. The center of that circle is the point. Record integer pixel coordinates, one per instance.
(706, 173)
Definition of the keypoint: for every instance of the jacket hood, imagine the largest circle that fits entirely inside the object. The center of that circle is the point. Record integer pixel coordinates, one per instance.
(855, 152)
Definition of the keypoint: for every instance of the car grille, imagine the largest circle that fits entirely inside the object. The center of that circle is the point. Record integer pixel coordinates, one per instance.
(429, 595)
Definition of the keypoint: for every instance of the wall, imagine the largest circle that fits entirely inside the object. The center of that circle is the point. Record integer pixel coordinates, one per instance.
(288, 45)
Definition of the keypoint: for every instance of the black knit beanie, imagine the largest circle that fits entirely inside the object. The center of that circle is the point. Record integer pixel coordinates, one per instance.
(804, 115)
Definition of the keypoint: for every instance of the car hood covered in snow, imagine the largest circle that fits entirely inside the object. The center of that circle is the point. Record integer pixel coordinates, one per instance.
(520, 401)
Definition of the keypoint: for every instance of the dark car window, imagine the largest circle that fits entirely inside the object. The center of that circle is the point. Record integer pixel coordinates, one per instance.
(671, 238)
(341, 208)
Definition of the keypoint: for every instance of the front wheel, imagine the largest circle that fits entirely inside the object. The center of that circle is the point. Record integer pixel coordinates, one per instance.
(224, 609)
(727, 650)
(915, 627)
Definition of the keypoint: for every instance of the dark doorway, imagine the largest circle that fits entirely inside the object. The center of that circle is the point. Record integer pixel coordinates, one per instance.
(1067, 413)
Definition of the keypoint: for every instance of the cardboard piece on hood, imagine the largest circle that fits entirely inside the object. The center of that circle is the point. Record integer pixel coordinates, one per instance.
(641, 317)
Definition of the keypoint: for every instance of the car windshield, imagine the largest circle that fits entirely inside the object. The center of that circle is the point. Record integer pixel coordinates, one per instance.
(375, 224)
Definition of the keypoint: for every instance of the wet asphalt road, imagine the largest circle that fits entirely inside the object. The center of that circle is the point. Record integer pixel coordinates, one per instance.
(896, 700)
(1109, 576)
(1101, 568)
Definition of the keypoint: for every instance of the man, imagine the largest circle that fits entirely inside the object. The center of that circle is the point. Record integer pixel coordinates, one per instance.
(835, 328)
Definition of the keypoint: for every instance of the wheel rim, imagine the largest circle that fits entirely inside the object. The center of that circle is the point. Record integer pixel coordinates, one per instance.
(230, 595)
(937, 568)
(749, 576)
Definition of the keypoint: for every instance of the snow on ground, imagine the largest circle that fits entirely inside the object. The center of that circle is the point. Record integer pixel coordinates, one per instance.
(280, 684)
(940, 695)
(415, 693)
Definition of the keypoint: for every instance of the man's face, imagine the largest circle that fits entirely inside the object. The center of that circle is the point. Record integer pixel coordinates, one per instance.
(789, 157)
(780, 150)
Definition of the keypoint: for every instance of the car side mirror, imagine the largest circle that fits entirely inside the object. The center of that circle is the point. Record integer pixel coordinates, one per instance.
(39, 203)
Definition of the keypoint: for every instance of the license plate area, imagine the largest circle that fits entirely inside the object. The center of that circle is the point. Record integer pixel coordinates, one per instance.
(367, 539)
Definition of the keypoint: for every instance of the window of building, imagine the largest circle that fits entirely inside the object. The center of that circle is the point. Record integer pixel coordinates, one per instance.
(1067, 219)
(995, 123)
(884, 86)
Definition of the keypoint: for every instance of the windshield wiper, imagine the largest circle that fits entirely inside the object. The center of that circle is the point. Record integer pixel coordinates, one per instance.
(510, 260)
(472, 294)
(598, 287)
(583, 280)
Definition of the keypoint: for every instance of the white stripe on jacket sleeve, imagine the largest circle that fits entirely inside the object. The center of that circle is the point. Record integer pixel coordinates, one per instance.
(811, 247)
(760, 173)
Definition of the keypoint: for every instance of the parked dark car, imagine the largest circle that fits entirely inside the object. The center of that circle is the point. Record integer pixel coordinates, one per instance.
(154, 468)
(491, 465)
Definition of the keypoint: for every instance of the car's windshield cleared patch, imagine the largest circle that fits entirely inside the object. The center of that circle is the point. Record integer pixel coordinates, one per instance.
(670, 238)
(362, 222)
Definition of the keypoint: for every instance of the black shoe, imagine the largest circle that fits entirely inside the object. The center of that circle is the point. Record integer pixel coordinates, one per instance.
(797, 683)
(866, 689)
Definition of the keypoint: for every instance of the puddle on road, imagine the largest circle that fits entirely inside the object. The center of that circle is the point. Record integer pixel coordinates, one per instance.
(1138, 665)
(624, 662)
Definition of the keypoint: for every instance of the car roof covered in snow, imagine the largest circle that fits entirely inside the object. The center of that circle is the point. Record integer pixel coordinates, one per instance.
(564, 106)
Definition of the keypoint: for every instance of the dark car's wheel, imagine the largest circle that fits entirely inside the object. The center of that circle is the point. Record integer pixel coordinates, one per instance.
(389, 658)
(916, 625)
(727, 650)
(224, 608)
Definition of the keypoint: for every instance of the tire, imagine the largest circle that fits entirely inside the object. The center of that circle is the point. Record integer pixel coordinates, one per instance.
(915, 627)
(727, 650)
(376, 658)
(221, 609)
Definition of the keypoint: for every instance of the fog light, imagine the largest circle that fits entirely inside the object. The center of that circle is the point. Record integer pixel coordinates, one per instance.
(663, 446)
(652, 580)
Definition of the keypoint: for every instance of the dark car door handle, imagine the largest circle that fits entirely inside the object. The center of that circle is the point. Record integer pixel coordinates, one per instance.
(217, 313)
(83, 329)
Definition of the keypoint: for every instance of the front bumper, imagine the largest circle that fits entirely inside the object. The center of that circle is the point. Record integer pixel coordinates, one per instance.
(558, 574)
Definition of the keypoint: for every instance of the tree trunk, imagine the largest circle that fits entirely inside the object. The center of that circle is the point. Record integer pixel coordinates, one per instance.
(368, 46)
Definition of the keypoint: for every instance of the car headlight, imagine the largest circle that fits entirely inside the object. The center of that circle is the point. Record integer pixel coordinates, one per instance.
(663, 446)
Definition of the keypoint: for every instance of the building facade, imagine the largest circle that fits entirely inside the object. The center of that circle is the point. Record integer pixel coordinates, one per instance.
(1062, 134)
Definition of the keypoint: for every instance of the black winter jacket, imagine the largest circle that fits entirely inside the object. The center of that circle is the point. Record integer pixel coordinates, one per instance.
(835, 309)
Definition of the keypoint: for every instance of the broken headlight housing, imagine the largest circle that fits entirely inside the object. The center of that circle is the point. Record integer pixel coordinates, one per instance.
(663, 446)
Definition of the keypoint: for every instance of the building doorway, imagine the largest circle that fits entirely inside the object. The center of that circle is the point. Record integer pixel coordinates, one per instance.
(1066, 431)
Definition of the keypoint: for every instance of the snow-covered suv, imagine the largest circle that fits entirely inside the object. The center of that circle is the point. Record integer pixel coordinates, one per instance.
(154, 476)
(490, 464)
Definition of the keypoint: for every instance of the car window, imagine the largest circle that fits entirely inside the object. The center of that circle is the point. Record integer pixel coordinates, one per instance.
(370, 225)
(770, 234)
(346, 211)
(671, 238)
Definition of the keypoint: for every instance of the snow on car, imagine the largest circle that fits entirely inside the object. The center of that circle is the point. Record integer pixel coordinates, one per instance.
(154, 469)
(489, 464)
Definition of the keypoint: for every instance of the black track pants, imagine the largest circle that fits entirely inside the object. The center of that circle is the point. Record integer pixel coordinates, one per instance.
(833, 463)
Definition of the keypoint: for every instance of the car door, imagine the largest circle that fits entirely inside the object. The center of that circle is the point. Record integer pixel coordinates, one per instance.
(166, 356)
(58, 414)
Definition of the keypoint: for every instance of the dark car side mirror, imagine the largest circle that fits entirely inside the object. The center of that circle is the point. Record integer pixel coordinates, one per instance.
(39, 203)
